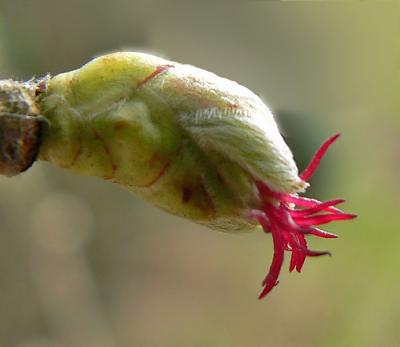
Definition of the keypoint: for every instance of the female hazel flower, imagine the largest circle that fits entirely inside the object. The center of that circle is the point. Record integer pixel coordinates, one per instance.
(192, 143)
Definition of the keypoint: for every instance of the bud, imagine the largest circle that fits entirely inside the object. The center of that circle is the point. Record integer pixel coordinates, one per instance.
(192, 143)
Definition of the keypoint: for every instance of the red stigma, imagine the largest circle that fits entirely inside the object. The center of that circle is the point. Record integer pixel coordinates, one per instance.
(290, 217)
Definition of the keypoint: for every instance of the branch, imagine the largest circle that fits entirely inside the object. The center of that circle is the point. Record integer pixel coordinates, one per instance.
(20, 124)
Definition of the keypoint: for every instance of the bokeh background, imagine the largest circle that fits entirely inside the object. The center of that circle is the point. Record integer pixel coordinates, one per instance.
(84, 263)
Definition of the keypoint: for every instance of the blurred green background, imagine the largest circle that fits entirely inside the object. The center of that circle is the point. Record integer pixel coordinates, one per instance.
(84, 263)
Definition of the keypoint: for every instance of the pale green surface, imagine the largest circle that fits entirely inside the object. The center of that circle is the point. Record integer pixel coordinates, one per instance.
(84, 263)
(162, 137)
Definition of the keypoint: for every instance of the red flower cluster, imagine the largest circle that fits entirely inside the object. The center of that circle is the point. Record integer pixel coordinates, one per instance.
(290, 217)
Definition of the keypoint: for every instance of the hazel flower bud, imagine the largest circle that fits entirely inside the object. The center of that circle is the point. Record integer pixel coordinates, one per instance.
(188, 141)
(185, 139)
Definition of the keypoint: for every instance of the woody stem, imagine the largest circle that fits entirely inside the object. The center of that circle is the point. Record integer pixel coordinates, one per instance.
(20, 125)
